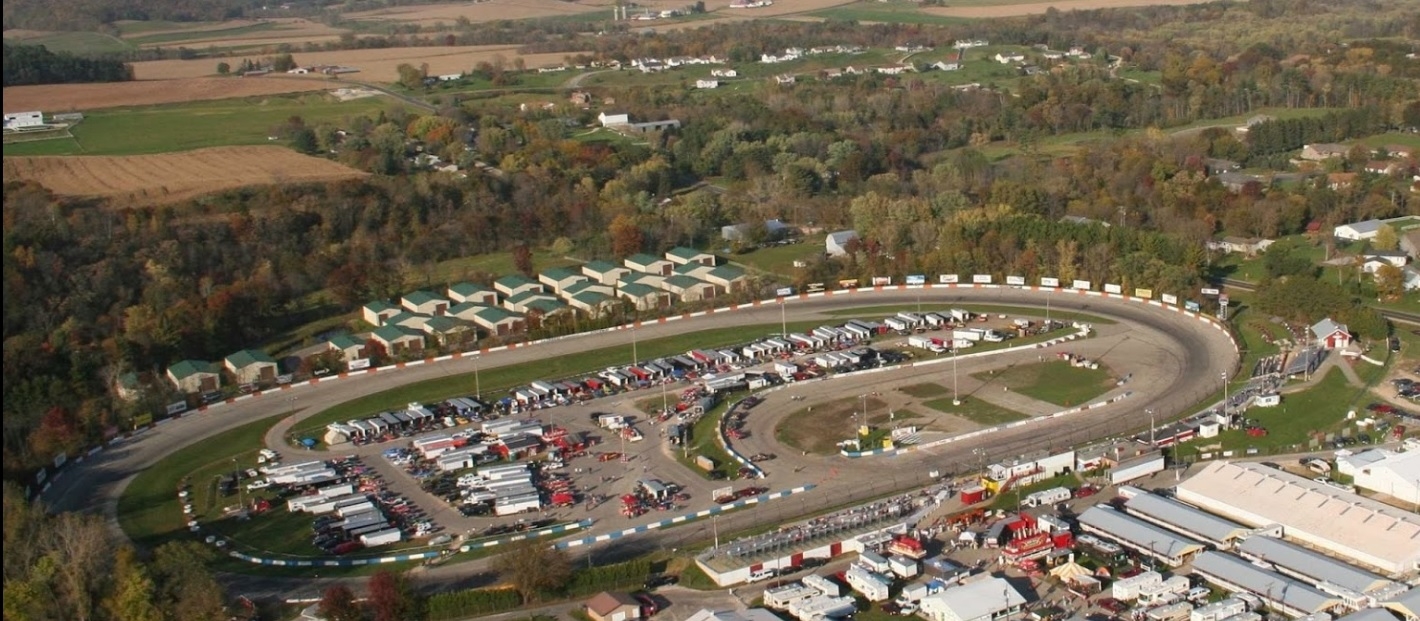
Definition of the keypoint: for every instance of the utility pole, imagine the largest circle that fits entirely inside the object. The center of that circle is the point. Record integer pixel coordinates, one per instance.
(1152, 441)
(1224, 375)
(635, 356)
(956, 397)
(783, 319)
(477, 382)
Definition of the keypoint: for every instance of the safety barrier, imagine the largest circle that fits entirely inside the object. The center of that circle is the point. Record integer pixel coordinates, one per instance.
(413, 556)
(744, 502)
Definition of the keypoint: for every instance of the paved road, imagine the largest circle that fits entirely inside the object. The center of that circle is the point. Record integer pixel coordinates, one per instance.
(1187, 353)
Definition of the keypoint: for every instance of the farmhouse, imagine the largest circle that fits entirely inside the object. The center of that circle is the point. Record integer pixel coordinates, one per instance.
(474, 293)
(604, 272)
(424, 303)
(509, 286)
(836, 245)
(499, 322)
(724, 73)
(689, 289)
(1330, 334)
(375, 313)
(643, 297)
(649, 264)
(399, 339)
(942, 65)
(194, 376)
(349, 347)
(250, 366)
(559, 278)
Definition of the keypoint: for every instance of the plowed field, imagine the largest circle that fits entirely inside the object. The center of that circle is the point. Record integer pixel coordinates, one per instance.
(169, 177)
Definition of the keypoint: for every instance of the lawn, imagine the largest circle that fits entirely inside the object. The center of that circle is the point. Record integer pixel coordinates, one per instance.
(1054, 381)
(819, 428)
(887, 13)
(182, 127)
(81, 43)
(703, 442)
(977, 411)
(496, 264)
(990, 309)
(499, 380)
(779, 260)
(1321, 408)
(927, 390)
(1395, 138)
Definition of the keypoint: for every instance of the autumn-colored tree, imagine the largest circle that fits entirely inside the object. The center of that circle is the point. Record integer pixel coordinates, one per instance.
(338, 603)
(390, 598)
(1386, 238)
(1390, 282)
(626, 236)
(523, 260)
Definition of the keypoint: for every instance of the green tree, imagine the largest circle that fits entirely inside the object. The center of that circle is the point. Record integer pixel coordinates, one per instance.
(132, 597)
(223, 68)
(283, 62)
(1386, 238)
(410, 76)
(304, 140)
(533, 567)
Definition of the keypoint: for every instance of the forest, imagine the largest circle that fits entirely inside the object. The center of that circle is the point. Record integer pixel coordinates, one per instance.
(34, 64)
(93, 292)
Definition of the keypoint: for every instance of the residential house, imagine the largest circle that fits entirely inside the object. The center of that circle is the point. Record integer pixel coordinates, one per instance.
(509, 286)
(521, 302)
(375, 313)
(613, 607)
(943, 65)
(399, 340)
(689, 289)
(424, 303)
(593, 303)
(1007, 58)
(349, 347)
(643, 297)
(1245, 245)
(1410, 243)
(1236, 181)
(680, 255)
(613, 120)
(413, 321)
(649, 264)
(728, 277)
(893, 69)
(604, 272)
(707, 84)
(1358, 231)
(1214, 166)
(472, 293)
(773, 229)
(1396, 258)
(251, 366)
(1323, 151)
(1399, 151)
(836, 244)
(1330, 334)
(1254, 121)
(724, 73)
(499, 322)
(445, 328)
(195, 376)
(1340, 180)
(559, 278)
(1383, 167)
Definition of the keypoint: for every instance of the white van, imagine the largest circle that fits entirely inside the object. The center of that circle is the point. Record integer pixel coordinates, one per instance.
(761, 575)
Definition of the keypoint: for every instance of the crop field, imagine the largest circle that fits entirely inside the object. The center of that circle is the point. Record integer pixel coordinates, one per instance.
(375, 65)
(72, 97)
(148, 179)
(489, 11)
(983, 9)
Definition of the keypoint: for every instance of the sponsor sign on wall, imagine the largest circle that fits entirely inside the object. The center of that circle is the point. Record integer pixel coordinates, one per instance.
(948, 279)
(851, 283)
(1016, 281)
(916, 279)
(882, 281)
(1191, 306)
(176, 407)
(1209, 291)
(783, 291)
(1108, 288)
(359, 363)
(981, 279)
(1169, 298)
(285, 378)
(60, 460)
(1046, 281)
(1082, 284)
(814, 287)
(1147, 294)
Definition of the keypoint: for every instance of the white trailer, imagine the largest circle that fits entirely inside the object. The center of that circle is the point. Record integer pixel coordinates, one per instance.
(934, 320)
(962, 343)
(360, 507)
(921, 342)
(331, 504)
(1218, 611)
(381, 538)
(1171, 612)
(494, 473)
(1166, 592)
(903, 567)
(872, 586)
(290, 468)
(304, 477)
(517, 504)
(897, 323)
(961, 316)
(911, 318)
(969, 334)
(823, 585)
(781, 597)
(1046, 498)
(1127, 589)
(819, 608)
(918, 591)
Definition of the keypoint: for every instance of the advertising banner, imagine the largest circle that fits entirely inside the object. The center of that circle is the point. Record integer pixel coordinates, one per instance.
(948, 279)
(850, 283)
(882, 281)
(176, 407)
(1046, 281)
(916, 279)
(1108, 288)
(359, 363)
(1082, 284)
(814, 287)
(1147, 294)
(1190, 305)
(1016, 281)
(1209, 291)
(981, 279)
(1169, 298)
(783, 291)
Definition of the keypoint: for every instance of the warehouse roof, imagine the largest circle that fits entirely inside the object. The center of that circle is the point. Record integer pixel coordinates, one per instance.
(1319, 567)
(978, 599)
(1184, 517)
(1263, 496)
(1135, 531)
(1408, 604)
(1368, 614)
(1269, 584)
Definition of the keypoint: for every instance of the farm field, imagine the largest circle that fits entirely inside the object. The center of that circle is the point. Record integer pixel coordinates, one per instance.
(148, 179)
(375, 65)
(72, 97)
(492, 10)
(181, 127)
(989, 9)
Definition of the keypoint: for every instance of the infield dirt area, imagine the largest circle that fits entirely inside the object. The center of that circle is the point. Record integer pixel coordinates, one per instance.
(68, 97)
(170, 177)
(1037, 8)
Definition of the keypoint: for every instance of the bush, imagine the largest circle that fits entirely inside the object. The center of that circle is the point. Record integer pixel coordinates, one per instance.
(461, 604)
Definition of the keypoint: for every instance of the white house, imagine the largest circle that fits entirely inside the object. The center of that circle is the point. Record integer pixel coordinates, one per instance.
(836, 244)
(893, 69)
(982, 600)
(942, 65)
(23, 120)
(613, 120)
(724, 73)
(784, 79)
(1358, 231)
(375, 313)
(1007, 58)
(707, 84)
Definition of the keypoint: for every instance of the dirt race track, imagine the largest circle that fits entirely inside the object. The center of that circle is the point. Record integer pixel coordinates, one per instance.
(69, 97)
(1037, 8)
(168, 177)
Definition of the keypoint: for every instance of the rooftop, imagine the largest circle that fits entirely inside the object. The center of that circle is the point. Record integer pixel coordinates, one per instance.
(1318, 567)
(1258, 581)
(421, 297)
(379, 306)
(977, 599)
(752, 614)
(514, 281)
(1185, 517)
(638, 290)
(643, 259)
(248, 357)
(559, 274)
(600, 267)
(467, 288)
(188, 368)
(685, 253)
(1138, 533)
(392, 333)
(345, 341)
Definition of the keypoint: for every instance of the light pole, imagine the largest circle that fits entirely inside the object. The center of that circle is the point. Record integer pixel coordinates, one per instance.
(635, 357)
(477, 381)
(1224, 375)
(237, 474)
(1152, 441)
(783, 319)
(956, 396)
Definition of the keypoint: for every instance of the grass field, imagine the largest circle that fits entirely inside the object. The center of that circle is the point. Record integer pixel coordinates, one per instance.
(77, 42)
(818, 429)
(887, 13)
(926, 390)
(1321, 408)
(703, 442)
(183, 127)
(1053, 382)
(779, 260)
(500, 380)
(977, 411)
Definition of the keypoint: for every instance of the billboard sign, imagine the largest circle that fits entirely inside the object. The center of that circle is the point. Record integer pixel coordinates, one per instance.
(1082, 284)
(176, 407)
(814, 287)
(1108, 288)
(948, 279)
(783, 291)
(1190, 305)
(916, 279)
(850, 283)
(1047, 281)
(1169, 298)
(1147, 294)
(1016, 281)
(981, 279)
(882, 281)
(359, 363)
(1209, 291)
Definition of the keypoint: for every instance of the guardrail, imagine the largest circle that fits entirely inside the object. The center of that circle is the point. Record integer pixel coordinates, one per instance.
(744, 502)
(412, 556)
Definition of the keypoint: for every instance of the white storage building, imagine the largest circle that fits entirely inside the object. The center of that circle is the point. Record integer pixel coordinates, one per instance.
(817, 608)
(1183, 519)
(1137, 468)
(1407, 605)
(1278, 591)
(1140, 536)
(1127, 589)
(1219, 610)
(1321, 516)
(982, 600)
(1352, 584)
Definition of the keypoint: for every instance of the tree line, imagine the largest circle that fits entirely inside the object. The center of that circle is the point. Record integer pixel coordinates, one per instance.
(35, 64)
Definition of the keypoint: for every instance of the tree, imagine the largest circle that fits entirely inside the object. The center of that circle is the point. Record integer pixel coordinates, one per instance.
(304, 141)
(338, 603)
(523, 260)
(390, 598)
(223, 68)
(283, 62)
(410, 76)
(1386, 238)
(626, 237)
(1390, 282)
(533, 567)
(132, 597)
